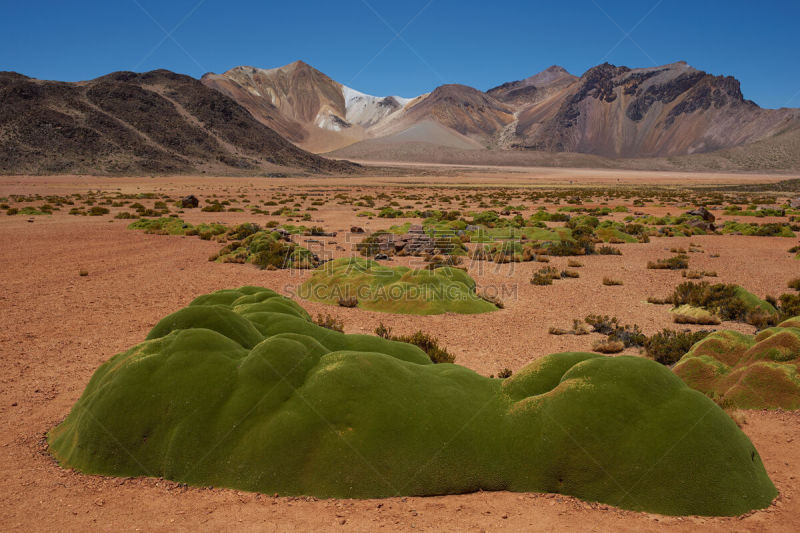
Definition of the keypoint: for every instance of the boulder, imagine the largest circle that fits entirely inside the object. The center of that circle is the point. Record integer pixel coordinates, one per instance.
(356, 229)
(190, 202)
(703, 213)
(702, 224)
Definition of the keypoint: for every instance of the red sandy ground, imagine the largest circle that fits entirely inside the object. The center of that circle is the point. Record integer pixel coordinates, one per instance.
(58, 327)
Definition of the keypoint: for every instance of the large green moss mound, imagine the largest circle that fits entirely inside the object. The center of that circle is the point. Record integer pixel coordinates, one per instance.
(242, 390)
(746, 371)
(397, 289)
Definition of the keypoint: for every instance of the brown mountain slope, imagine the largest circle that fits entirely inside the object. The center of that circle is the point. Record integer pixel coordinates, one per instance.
(534, 89)
(303, 104)
(128, 123)
(662, 111)
(465, 110)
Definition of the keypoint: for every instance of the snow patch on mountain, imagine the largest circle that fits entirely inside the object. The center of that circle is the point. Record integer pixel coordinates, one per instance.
(366, 110)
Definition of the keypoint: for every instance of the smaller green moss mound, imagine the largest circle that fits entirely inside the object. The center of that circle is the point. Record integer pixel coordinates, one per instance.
(757, 230)
(266, 249)
(686, 314)
(177, 226)
(745, 371)
(399, 289)
(161, 226)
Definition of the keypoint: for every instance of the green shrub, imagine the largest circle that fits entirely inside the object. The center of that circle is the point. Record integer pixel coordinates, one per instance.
(607, 250)
(424, 341)
(97, 210)
(668, 346)
(505, 373)
(727, 301)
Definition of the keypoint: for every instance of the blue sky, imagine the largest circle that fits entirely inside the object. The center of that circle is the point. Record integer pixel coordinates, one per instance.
(408, 47)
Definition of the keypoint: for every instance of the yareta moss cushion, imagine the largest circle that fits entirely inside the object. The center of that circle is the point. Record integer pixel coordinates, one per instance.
(241, 389)
(394, 289)
(747, 371)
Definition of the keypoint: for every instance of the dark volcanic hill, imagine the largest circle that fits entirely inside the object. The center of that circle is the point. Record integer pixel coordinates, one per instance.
(127, 123)
(660, 111)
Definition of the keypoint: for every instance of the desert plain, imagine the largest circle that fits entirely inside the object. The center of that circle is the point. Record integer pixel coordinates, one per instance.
(78, 289)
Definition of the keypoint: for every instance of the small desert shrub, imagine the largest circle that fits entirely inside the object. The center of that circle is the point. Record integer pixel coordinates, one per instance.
(424, 341)
(692, 274)
(572, 263)
(97, 211)
(611, 282)
(539, 279)
(607, 250)
(794, 284)
(505, 373)
(668, 346)
(562, 248)
(545, 276)
(350, 301)
(610, 326)
(569, 274)
(659, 301)
(608, 346)
(677, 262)
(789, 305)
(578, 328)
(330, 322)
(83, 273)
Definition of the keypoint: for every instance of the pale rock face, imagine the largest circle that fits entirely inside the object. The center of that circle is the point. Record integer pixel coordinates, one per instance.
(367, 110)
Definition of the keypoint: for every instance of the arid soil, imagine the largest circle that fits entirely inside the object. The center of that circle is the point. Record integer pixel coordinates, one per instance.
(57, 327)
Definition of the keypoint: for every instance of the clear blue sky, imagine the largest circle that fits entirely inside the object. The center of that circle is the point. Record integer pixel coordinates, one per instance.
(478, 43)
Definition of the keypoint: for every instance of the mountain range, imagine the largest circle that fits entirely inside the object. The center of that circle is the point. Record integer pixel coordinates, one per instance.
(609, 111)
(252, 120)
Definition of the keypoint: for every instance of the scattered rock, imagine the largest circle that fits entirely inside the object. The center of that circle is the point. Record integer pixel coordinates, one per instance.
(356, 229)
(381, 257)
